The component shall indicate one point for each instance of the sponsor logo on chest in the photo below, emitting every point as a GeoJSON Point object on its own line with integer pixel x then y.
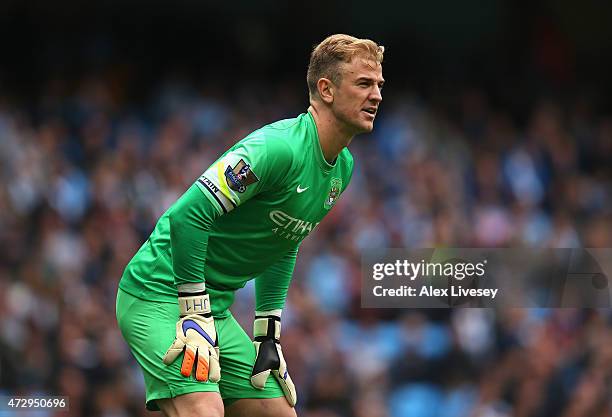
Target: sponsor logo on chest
{"type": "Point", "coordinates": [289, 227]}
{"type": "Point", "coordinates": [295, 229]}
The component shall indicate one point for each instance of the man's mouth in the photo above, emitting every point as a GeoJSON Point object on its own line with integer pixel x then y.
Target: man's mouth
{"type": "Point", "coordinates": [370, 110]}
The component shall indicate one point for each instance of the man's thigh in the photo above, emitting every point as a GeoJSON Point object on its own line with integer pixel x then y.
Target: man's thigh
{"type": "Point", "coordinates": [261, 407]}
{"type": "Point", "coordinates": [200, 404]}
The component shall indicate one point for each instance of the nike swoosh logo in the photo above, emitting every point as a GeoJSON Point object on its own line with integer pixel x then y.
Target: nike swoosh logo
{"type": "Point", "coordinates": [190, 324]}
{"type": "Point", "coordinates": [300, 189]}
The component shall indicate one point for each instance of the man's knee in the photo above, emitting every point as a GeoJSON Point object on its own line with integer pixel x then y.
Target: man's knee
{"type": "Point", "coordinates": [196, 404]}
{"type": "Point", "coordinates": [286, 412]}
{"type": "Point", "coordinates": [201, 412]}
{"type": "Point", "coordinates": [260, 407]}
{"type": "Point", "coordinates": [282, 410]}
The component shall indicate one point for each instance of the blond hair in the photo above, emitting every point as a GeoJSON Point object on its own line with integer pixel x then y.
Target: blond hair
{"type": "Point", "coordinates": [327, 57]}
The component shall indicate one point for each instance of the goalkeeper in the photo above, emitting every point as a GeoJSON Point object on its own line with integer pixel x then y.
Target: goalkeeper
{"type": "Point", "coordinates": [244, 219]}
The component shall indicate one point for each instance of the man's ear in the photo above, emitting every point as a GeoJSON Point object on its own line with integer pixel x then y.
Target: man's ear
{"type": "Point", "coordinates": [326, 90]}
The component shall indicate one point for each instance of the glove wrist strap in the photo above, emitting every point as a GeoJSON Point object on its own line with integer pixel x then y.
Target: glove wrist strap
{"type": "Point", "coordinates": [198, 303]}
{"type": "Point", "coordinates": [267, 327]}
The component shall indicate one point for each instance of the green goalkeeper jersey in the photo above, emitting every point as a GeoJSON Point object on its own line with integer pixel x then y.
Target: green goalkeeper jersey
{"type": "Point", "coordinates": [243, 219]}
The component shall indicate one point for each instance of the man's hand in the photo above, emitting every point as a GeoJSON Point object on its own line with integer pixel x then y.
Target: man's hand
{"type": "Point", "coordinates": [196, 337]}
{"type": "Point", "coordinates": [266, 331]}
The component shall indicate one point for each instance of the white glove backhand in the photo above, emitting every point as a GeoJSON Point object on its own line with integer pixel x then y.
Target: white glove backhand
{"type": "Point", "coordinates": [270, 358]}
{"type": "Point", "coordinates": [196, 337]}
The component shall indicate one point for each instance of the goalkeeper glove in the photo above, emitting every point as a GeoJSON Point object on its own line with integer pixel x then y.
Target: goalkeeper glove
{"type": "Point", "coordinates": [266, 330]}
{"type": "Point", "coordinates": [196, 336]}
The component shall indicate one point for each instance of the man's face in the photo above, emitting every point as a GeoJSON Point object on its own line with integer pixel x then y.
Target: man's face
{"type": "Point", "coordinates": [358, 96]}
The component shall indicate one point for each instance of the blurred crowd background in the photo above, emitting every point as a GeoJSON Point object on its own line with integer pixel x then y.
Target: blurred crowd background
{"type": "Point", "coordinates": [499, 138]}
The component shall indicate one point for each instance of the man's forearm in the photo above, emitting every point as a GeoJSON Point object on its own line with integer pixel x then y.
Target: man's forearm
{"type": "Point", "coordinates": [271, 287]}
{"type": "Point", "coordinates": [190, 222]}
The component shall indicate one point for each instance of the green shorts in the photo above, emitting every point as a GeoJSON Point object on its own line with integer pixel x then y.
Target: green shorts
{"type": "Point", "coordinates": [149, 327]}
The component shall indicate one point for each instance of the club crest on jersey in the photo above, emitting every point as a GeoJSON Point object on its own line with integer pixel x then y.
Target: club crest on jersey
{"type": "Point", "coordinates": [334, 192]}
{"type": "Point", "coordinates": [239, 177]}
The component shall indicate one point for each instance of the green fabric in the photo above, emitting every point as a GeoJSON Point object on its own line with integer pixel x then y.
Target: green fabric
{"type": "Point", "coordinates": [271, 286]}
{"type": "Point", "coordinates": [190, 219]}
{"type": "Point", "coordinates": [149, 327]}
{"type": "Point", "coordinates": [243, 218]}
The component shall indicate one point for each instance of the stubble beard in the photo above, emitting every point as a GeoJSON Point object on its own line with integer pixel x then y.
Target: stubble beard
{"type": "Point", "coordinates": [354, 126]}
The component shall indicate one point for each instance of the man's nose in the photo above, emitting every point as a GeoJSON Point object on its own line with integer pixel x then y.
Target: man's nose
{"type": "Point", "coordinates": [376, 94]}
